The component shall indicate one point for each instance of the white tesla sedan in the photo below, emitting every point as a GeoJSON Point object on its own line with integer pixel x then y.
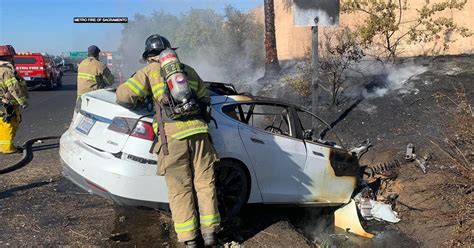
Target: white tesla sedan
{"type": "Point", "coordinates": [268, 153]}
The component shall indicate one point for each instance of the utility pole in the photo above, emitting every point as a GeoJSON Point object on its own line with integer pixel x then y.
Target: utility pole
{"type": "Point", "coordinates": [314, 69]}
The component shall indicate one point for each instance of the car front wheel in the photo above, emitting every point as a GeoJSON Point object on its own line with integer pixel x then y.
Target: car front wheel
{"type": "Point", "coordinates": [233, 187]}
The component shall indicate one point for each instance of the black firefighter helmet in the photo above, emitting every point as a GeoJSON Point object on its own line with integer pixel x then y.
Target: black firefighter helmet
{"type": "Point", "coordinates": [154, 44]}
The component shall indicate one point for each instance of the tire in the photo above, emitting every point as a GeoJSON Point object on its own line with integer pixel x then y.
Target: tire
{"type": "Point", "coordinates": [233, 187]}
{"type": "Point", "coordinates": [59, 83]}
{"type": "Point", "coordinates": [49, 85]}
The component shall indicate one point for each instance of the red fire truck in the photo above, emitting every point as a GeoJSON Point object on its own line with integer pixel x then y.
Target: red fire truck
{"type": "Point", "coordinates": [38, 69]}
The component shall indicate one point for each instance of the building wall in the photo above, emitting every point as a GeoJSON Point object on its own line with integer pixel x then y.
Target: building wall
{"type": "Point", "coordinates": [293, 42]}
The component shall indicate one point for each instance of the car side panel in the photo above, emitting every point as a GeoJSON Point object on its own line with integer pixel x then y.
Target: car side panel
{"type": "Point", "coordinates": [228, 144]}
{"type": "Point", "coordinates": [326, 186]}
{"type": "Point", "coordinates": [278, 161]}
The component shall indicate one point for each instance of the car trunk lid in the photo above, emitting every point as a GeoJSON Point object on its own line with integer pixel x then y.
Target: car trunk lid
{"type": "Point", "coordinates": [97, 112]}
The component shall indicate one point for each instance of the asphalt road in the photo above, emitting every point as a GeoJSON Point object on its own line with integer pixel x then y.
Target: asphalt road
{"type": "Point", "coordinates": [49, 112]}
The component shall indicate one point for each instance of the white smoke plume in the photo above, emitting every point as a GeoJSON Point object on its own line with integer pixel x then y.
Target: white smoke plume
{"type": "Point", "coordinates": [220, 56]}
{"type": "Point", "coordinates": [373, 79]}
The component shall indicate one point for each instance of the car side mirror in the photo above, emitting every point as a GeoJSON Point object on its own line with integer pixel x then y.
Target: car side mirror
{"type": "Point", "coordinates": [308, 134]}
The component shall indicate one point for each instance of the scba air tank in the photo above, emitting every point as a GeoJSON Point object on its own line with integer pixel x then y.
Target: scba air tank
{"type": "Point", "coordinates": [172, 71]}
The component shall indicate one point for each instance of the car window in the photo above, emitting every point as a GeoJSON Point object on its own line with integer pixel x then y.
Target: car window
{"type": "Point", "coordinates": [24, 60]}
{"type": "Point", "coordinates": [233, 112]}
{"type": "Point", "coordinates": [310, 122]}
{"type": "Point", "coordinates": [268, 117]}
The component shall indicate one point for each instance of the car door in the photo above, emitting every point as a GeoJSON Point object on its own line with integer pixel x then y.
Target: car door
{"type": "Point", "coordinates": [277, 156]}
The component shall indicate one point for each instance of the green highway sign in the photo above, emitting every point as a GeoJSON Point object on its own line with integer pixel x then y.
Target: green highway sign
{"type": "Point", "coordinates": [78, 54]}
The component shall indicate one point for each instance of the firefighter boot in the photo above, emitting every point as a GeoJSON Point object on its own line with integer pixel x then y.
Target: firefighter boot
{"type": "Point", "coordinates": [7, 134]}
{"type": "Point", "coordinates": [191, 244]}
{"type": "Point", "coordinates": [210, 239]}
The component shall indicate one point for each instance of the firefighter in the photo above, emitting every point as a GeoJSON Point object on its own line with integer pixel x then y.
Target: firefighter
{"type": "Point", "coordinates": [13, 97]}
{"type": "Point", "coordinates": [186, 154]}
{"type": "Point", "coordinates": [92, 74]}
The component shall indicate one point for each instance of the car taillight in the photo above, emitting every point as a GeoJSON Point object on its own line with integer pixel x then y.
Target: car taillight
{"type": "Point", "coordinates": [143, 130]}
{"type": "Point", "coordinates": [133, 127]}
{"type": "Point", "coordinates": [120, 125]}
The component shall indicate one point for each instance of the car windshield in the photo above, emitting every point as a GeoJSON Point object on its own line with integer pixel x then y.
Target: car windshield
{"type": "Point", "coordinates": [30, 60]}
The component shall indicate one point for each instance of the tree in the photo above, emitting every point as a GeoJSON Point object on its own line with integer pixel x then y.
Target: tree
{"type": "Point", "coordinates": [200, 28]}
{"type": "Point", "coordinates": [242, 52]}
{"type": "Point", "coordinates": [339, 51]}
{"type": "Point", "coordinates": [271, 59]}
{"type": "Point", "coordinates": [387, 27]}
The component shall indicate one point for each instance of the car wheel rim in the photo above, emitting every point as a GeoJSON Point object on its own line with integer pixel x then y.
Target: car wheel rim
{"type": "Point", "coordinates": [231, 187]}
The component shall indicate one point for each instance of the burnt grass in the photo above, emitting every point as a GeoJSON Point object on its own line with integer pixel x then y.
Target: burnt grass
{"type": "Point", "coordinates": [431, 109]}
{"type": "Point", "coordinates": [39, 207]}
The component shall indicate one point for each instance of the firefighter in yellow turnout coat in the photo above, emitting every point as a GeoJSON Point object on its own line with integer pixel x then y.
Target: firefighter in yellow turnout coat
{"type": "Point", "coordinates": [92, 74]}
{"type": "Point", "coordinates": [13, 96]}
{"type": "Point", "coordinates": [191, 157]}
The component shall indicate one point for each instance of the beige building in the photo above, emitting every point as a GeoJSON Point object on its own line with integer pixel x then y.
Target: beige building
{"type": "Point", "coordinates": [293, 42]}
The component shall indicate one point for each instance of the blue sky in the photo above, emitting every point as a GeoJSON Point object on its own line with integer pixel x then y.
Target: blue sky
{"type": "Point", "coordinates": [47, 25]}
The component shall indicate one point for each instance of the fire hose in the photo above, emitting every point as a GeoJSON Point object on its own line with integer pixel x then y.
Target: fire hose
{"type": "Point", "coordinates": [27, 154]}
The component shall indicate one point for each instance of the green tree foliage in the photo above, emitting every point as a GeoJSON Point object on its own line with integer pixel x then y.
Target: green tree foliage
{"type": "Point", "coordinates": [231, 43]}
{"type": "Point", "coordinates": [200, 28]}
{"type": "Point", "coordinates": [387, 26]}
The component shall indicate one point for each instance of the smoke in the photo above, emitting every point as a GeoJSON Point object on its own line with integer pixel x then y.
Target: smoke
{"type": "Point", "coordinates": [372, 79]}
{"type": "Point", "coordinates": [240, 69]}
{"type": "Point", "coordinates": [132, 44]}
{"type": "Point", "coordinates": [222, 48]}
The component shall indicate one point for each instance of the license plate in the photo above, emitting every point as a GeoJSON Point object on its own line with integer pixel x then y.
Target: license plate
{"type": "Point", "coordinates": [85, 125]}
{"type": "Point", "coordinates": [27, 78]}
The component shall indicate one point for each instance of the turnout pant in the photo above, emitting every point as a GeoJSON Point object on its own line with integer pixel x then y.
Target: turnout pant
{"type": "Point", "coordinates": [189, 175]}
{"type": "Point", "coordinates": [8, 132]}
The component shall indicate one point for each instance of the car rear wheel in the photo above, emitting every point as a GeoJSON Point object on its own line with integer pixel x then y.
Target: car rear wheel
{"type": "Point", "coordinates": [233, 187]}
{"type": "Point", "coordinates": [49, 84]}
{"type": "Point", "coordinates": [59, 83]}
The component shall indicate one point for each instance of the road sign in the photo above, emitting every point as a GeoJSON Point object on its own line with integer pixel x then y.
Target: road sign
{"type": "Point", "coordinates": [305, 12]}
{"type": "Point", "coordinates": [78, 54]}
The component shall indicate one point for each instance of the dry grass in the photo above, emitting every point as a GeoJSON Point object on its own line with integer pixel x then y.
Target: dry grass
{"type": "Point", "coordinates": [300, 81]}
{"type": "Point", "coordinates": [456, 149]}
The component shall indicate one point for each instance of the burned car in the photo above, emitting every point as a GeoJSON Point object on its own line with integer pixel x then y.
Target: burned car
{"type": "Point", "coordinates": [268, 152]}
